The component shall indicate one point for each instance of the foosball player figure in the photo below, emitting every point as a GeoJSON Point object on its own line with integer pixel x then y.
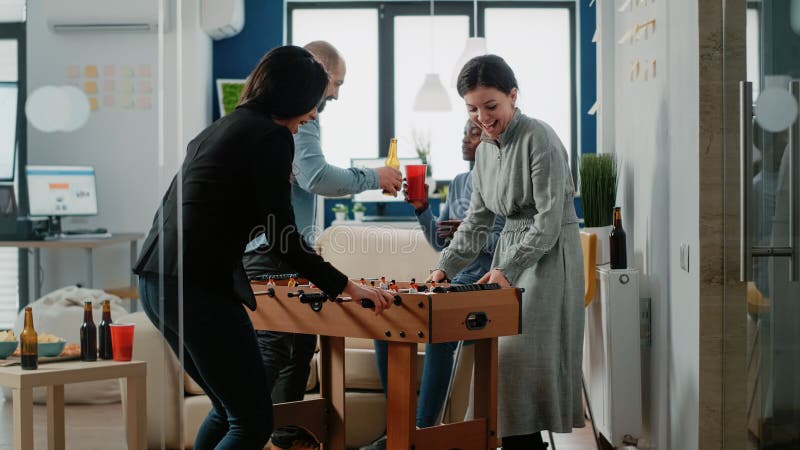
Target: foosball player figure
{"type": "Point", "coordinates": [413, 285]}
{"type": "Point", "coordinates": [271, 281]}
{"type": "Point", "coordinates": [383, 284]}
{"type": "Point", "coordinates": [292, 282]}
{"type": "Point", "coordinates": [363, 282]}
{"type": "Point", "coordinates": [372, 283]}
{"type": "Point", "coordinates": [393, 286]}
{"type": "Point", "coordinates": [433, 286]}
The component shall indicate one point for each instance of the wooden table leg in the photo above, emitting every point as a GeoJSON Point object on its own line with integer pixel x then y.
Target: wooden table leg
{"type": "Point", "coordinates": [55, 417]}
{"type": "Point", "coordinates": [332, 389]}
{"type": "Point", "coordinates": [136, 413]}
{"type": "Point", "coordinates": [401, 402]}
{"type": "Point", "coordinates": [485, 387]}
{"type": "Point", "coordinates": [23, 418]}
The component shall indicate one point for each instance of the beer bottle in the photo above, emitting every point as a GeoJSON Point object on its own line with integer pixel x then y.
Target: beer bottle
{"type": "Point", "coordinates": [391, 159]}
{"type": "Point", "coordinates": [616, 243]}
{"type": "Point", "coordinates": [29, 343]}
{"type": "Point", "coordinates": [104, 332]}
{"type": "Point", "coordinates": [88, 334]}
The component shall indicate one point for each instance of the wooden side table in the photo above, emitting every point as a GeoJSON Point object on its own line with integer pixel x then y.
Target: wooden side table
{"type": "Point", "coordinates": [54, 376]}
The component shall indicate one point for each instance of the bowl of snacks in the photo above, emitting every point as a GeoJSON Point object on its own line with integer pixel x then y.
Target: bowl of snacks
{"type": "Point", "coordinates": [50, 345]}
{"type": "Point", "coordinates": [8, 343]}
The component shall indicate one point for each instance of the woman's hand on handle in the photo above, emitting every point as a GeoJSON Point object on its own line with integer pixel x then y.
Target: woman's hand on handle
{"type": "Point", "coordinates": [495, 276]}
{"type": "Point", "coordinates": [382, 299]}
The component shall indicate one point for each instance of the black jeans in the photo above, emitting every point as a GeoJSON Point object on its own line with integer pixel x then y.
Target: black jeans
{"type": "Point", "coordinates": [287, 357]}
{"type": "Point", "coordinates": [221, 354]}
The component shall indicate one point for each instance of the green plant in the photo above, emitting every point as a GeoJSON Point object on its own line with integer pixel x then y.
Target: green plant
{"type": "Point", "coordinates": [339, 207]}
{"type": "Point", "coordinates": [598, 188]}
{"type": "Point", "coordinates": [422, 145]}
{"type": "Point", "coordinates": [231, 93]}
{"type": "Point", "coordinates": [359, 207]}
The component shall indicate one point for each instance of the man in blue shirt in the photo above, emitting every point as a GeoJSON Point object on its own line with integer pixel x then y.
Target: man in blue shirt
{"type": "Point", "coordinates": [287, 355]}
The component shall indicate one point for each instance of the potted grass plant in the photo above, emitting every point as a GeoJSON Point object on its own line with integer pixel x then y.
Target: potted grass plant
{"type": "Point", "coordinates": [598, 190]}
{"type": "Point", "coordinates": [358, 211]}
{"type": "Point", "coordinates": [340, 210]}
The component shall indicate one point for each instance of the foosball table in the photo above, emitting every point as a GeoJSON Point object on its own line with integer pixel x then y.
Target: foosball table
{"type": "Point", "coordinates": [446, 313]}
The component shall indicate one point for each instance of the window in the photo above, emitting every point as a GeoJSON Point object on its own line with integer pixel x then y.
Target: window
{"type": "Point", "coordinates": [544, 93]}
{"type": "Point", "coordinates": [12, 73]}
{"type": "Point", "coordinates": [389, 49]}
{"type": "Point", "coordinates": [414, 56]}
{"type": "Point", "coordinates": [349, 126]}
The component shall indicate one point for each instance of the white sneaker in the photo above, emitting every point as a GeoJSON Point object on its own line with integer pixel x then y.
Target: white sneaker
{"type": "Point", "coordinates": [378, 444]}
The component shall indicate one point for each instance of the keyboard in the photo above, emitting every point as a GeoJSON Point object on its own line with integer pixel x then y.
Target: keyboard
{"type": "Point", "coordinates": [85, 231]}
{"type": "Point", "coordinates": [77, 237]}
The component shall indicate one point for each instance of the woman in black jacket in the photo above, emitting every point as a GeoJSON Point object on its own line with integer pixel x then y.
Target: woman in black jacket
{"type": "Point", "coordinates": [233, 184]}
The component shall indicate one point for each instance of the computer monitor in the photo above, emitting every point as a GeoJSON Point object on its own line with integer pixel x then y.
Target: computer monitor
{"type": "Point", "coordinates": [374, 163]}
{"type": "Point", "coordinates": [61, 190]}
{"type": "Point", "coordinates": [8, 129]}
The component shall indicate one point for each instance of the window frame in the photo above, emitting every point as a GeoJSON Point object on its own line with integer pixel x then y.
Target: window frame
{"type": "Point", "coordinates": [16, 30]}
{"type": "Point", "coordinates": [387, 11]}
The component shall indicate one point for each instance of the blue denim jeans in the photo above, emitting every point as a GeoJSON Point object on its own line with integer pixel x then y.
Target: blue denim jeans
{"type": "Point", "coordinates": [220, 354]}
{"type": "Point", "coordinates": [435, 374]}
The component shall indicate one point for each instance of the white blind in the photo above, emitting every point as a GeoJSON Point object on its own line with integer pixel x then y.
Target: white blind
{"type": "Point", "coordinates": [12, 10]}
{"type": "Point", "coordinates": [9, 287]}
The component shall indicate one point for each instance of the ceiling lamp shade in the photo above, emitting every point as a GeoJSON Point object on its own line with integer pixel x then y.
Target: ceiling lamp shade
{"type": "Point", "coordinates": [432, 96]}
{"type": "Point", "coordinates": [476, 46]}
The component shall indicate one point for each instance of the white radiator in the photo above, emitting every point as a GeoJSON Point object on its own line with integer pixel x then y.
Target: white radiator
{"type": "Point", "coordinates": [611, 355]}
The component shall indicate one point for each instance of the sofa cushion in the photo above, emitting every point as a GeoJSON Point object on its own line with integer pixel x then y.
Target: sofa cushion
{"type": "Point", "coordinates": [371, 251]}
{"type": "Point", "coordinates": [190, 386]}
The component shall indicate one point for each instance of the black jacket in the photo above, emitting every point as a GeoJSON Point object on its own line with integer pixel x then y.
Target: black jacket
{"type": "Point", "coordinates": [235, 180]}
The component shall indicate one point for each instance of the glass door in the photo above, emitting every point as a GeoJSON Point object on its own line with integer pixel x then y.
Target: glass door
{"type": "Point", "coordinates": [769, 138]}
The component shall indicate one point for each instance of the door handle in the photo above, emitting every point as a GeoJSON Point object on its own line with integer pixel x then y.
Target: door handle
{"type": "Point", "coordinates": [794, 187]}
{"type": "Point", "coordinates": [745, 178]}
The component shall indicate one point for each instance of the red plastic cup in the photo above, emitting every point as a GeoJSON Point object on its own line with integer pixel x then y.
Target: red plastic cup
{"type": "Point", "coordinates": [122, 341]}
{"type": "Point", "coordinates": [415, 181]}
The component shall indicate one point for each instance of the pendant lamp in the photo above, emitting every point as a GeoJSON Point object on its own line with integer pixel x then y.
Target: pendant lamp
{"type": "Point", "coordinates": [475, 46]}
{"type": "Point", "coordinates": [432, 96]}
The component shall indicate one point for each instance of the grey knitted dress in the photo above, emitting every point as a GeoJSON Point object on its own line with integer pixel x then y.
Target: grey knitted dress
{"type": "Point", "coordinates": [525, 176]}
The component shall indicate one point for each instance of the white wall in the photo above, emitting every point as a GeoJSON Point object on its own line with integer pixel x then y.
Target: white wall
{"type": "Point", "coordinates": [655, 129]}
{"type": "Point", "coordinates": [122, 144]}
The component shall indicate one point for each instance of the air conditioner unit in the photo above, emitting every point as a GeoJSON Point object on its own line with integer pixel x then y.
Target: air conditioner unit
{"type": "Point", "coordinates": [105, 15]}
{"type": "Point", "coordinates": [222, 19]}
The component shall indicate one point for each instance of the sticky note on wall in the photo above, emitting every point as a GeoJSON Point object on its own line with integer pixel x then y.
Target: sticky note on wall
{"type": "Point", "coordinates": [126, 100]}
{"type": "Point", "coordinates": [93, 103]}
{"type": "Point", "coordinates": [90, 71]}
{"type": "Point", "coordinates": [125, 86]}
{"type": "Point", "coordinates": [90, 87]}
{"type": "Point", "coordinates": [126, 72]}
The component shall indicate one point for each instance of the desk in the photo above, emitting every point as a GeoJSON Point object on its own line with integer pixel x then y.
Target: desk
{"type": "Point", "coordinates": [54, 376]}
{"type": "Point", "coordinates": [87, 244]}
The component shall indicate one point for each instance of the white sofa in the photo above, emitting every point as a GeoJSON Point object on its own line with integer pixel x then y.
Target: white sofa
{"type": "Point", "coordinates": [175, 412]}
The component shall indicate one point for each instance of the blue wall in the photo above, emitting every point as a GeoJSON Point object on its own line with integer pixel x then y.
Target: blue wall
{"type": "Point", "coordinates": [263, 29]}
{"type": "Point", "coordinates": [587, 76]}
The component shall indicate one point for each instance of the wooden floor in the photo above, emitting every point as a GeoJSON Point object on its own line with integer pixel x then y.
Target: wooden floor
{"type": "Point", "coordinates": [100, 427]}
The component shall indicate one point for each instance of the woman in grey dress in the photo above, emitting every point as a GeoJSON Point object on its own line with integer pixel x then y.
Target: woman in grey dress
{"type": "Point", "coordinates": [521, 172]}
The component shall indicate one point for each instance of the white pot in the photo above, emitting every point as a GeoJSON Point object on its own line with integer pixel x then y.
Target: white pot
{"type": "Point", "coordinates": [603, 252]}
{"type": "Point", "coordinates": [341, 215]}
{"type": "Point", "coordinates": [358, 215]}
